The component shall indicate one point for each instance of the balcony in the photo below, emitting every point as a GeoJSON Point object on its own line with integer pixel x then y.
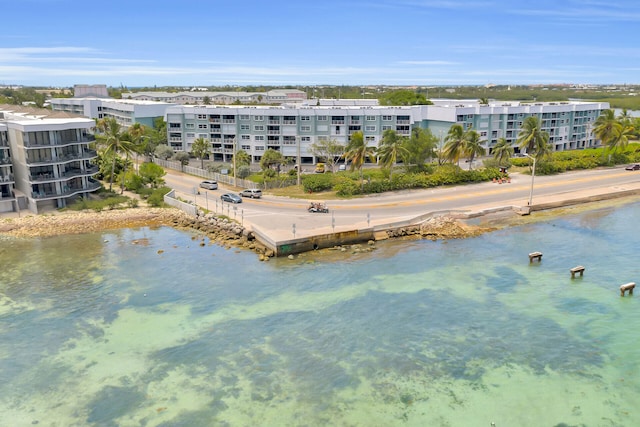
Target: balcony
{"type": "Point", "coordinates": [92, 185]}
{"type": "Point", "coordinates": [58, 143]}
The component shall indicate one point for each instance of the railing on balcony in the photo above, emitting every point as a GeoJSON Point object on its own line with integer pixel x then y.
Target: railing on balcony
{"type": "Point", "coordinates": [6, 178]}
{"type": "Point", "coordinates": [67, 191]}
{"type": "Point", "coordinates": [289, 122]}
{"type": "Point", "coordinates": [58, 143]}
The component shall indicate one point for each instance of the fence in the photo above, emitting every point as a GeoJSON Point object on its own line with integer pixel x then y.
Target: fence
{"type": "Point", "coordinates": [171, 200]}
{"type": "Point", "coordinates": [221, 178]}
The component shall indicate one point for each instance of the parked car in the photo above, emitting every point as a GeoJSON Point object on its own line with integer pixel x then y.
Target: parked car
{"type": "Point", "coordinates": [231, 198]}
{"type": "Point", "coordinates": [209, 185]}
{"type": "Point", "coordinates": [634, 167]}
{"type": "Point", "coordinates": [253, 193]}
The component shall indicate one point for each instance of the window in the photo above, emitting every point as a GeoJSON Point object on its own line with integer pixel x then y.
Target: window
{"type": "Point", "coordinates": [305, 128]}
{"type": "Point", "coordinates": [305, 118]}
{"type": "Point", "coordinates": [305, 139]}
{"type": "Point", "coordinates": [369, 139]}
{"type": "Point", "coordinates": [258, 118]}
{"type": "Point", "coordinates": [370, 118]}
{"type": "Point", "coordinates": [189, 126]}
{"type": "Point", "coordinates": [202, 116]}
{"type": "Point", "coordinates": [322, 118]}
{"type": "Point", "coordinates": [386, 127]}
{"type": "Point", "coordinates": [203, 126]}
{"type": "Point", "coordinates": [244, 117]}
{"type": "Point", "coordinates": [245, 147]}
{"type": "Point", "coordinates": [245, 137]}
{"type": "Point", "coordinates": [258, 128]}
{"type": "Point", "coordinates": [259, 137]}
{"type": "Point", "coordinates": [203, 135]}
{"type": "Point", "coordinates": [370, 128]}
{"type": "Point", "coordinates": [387, 118]}
{"type": "Point", "coordinates": [174, 126]}
{"type": "Point", "coordinates": [245, 127]}
{"type": "Point", "coordinates": [259, 147]}
{"type": "Point", "coordinates": [191, 135]}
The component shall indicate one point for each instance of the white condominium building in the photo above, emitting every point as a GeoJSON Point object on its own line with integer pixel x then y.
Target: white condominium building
{"type": "Point", "coordinates": [44, 159]}
{"type": "Point", "coordinates": [288, 129]}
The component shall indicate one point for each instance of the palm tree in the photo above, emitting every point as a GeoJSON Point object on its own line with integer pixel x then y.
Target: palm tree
{"type": "Point", "coordinates": [455, 142]}
{"type": "Point", "coordinates": [201, 147]}
{"type": "Point", "coordinates": [114, 142]}
{"type": "Point", "coordinates": [390, 147]}
{"type": "Point", "coordinates": [607, 128]}
{"type": "Point", "coordinates": [473, 146]}
{"type": "Point", "coordinates": [502, 150]}
{"type": "Point", "coordinates": [357, 152]}
{"type": "Point", "coordinates": [533, 139]}
{"type": "Point", "coordinates": [137, 131]}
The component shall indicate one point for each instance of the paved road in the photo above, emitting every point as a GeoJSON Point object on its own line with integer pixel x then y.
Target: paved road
{"type": "Point", "coordinates": [277, 216]}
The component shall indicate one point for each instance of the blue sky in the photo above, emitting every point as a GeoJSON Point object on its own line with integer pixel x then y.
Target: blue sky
{"type": "Point", "coordinates": [317, 42]}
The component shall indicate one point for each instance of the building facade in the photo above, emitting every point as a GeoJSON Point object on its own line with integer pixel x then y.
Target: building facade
{"type": "Point", "coordinates": [46, 158]}
{"type": "Point", "coordinates": [293, 129]}
{"type": "Point", "coordinates": [125, 111]}
{"type": "Point", "coordinates": [275, 96]}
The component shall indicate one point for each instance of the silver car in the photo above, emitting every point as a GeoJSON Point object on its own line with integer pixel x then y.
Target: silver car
{"type": "Point", "coordinates": [253, 193]}
{"type": "Point", "coordinates": [209, 185]}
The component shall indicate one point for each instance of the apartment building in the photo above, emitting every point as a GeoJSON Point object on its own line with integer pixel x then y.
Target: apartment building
{"type": "Point", "coordinates": [45, 159]}
{"type": "Point", "coordinates": [288, 129]}
{"type": "Point", "coordinates": [125, 111]}
{"type": "Point", "coordinates": [196, 97]}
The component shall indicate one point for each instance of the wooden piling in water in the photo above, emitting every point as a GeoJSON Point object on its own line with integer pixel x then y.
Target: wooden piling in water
{"type": "Point", "coordinates": [627, 287]}
{"type": "Point", "coordinates": [535, 255]}
{"type": "Point", "coordinates": [577, 269]}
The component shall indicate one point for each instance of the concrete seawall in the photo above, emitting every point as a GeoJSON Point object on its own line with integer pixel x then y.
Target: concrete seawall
{"type": "Point", "coordinates": [284, 247]}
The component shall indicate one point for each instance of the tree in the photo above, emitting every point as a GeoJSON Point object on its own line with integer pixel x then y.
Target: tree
{"type": "Point", "coordinates": [152, 173]}
{"type": "Point", "coordinates": [502, 150]}
{"type": "Point", "coordinates": [419, 147]}
{"type": "Point", "coordinates": [272, 158]}
{"type": "Point", "coordinates": [137, 132]}
{"type": "Point", "coordinates": [182, 157]}
{"type": "Point", "coordinates": [473, 146]}
{"type": "Point", "coordinates": [612, 131]}
{"type": "Point", "coordinates": [455, 142]}
{"type": "Point", "coordinates": [200, 148]}
{"type": "Point", "coordinates": [163, 151]}
{"type": "Point", "coordinates": [328, 150]}
{"type": "Point", "coordinates": [404, 97]}
{"type": "Point", "coordinates": [390, 147]}
{"type": "Point", "coordinates": [357, 152]}
{"type": "Point", "coordinates": [113, 142]}
{"type": "Point", "coordinates": [242, 158]}
{"type": "Point", "coordinates": [533, 139]}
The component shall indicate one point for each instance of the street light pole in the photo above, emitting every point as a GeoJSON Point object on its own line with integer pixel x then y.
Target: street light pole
{"type": "Point", "coordinates": [235, 150]}
{"type": "Point", "coordinates": [298, 160]}
{"type": "Point", "coordinates": [533, 175]}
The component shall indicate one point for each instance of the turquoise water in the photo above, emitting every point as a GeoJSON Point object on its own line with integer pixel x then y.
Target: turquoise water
{"type": "Point", "coordinates": [142, 327]}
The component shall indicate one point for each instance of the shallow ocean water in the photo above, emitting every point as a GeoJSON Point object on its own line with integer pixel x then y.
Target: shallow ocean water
{"type": "Point", "coordinates": [147, 327]}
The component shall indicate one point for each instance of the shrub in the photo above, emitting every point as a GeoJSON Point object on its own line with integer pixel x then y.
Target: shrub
{"type": "Point", "coordinates": [317, 182]}
{"type": "Point", "coordinates": [346, 187]}
{"type": "Point", "coordinates": [156, 198]}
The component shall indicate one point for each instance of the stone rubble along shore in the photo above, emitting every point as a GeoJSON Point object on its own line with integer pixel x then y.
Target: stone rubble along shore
{"type": "Point", "coordinates": [220, 230]}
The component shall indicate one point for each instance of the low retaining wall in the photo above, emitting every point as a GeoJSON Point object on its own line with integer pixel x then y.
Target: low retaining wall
{"type": "Point", "coordinates": [322, 241]}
